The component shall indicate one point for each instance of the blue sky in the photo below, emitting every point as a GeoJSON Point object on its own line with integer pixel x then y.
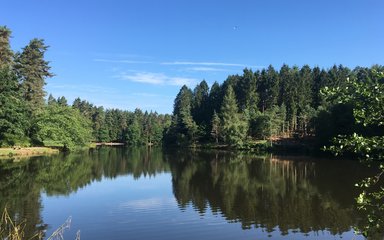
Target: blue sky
{"type": "Point", "coordinates": [137, 53]}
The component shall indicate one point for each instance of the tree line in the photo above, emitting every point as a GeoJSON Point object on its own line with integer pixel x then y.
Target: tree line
{"type": "Point", "coordinates": [27, 118]}
{"type": "Point", "coordinates": [269, 103]}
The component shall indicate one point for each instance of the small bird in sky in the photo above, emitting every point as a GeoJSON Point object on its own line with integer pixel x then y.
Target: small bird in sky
{"type": "Point", "coordinates": [235, 27]}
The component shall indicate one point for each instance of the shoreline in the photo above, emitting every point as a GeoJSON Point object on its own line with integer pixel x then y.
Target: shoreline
{"type": "Point", "coordinates": [27, 151]}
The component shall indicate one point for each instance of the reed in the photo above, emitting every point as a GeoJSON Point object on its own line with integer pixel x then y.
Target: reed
{"type": "Point", "coordinates": [11, 230]}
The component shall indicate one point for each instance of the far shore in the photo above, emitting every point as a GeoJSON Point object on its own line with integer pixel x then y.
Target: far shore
{"type": "Point", "coordinates": [27, 151]}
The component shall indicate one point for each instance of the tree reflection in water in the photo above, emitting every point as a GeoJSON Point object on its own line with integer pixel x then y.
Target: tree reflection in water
{"type": "Point", "coordinates": [271, 193]}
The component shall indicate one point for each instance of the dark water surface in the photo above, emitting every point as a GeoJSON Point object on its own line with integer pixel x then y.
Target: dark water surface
{"type": "Point", "coordinates": [122, 193]}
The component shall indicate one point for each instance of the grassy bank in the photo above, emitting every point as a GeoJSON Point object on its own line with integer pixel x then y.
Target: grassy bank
{"type": "Point", "coordinates": [29, 151]}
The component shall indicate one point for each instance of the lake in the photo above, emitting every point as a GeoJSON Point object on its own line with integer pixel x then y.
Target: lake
{"type": "Point", "coordinates": [123, 193]}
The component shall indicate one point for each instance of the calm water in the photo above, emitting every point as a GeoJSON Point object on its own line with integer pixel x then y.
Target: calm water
{"type": "Point", "coordinates": [121, 193]}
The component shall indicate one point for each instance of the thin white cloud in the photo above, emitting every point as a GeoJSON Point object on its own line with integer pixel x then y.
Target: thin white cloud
{"type": "Point", "coordinates": [206, 69]}
{"type": "Point", "coordinates": [151, 95]}
{"type": "Point", "coordinates": [119, 61]}
{"type": "Point", "coordinates": [144, 77]}
{"type": "Point", "coordinates": [158, 79]}
{"type": "Point", "coordinates": [204, 64]}
{"type": "Point", "coordinates": [211, 64]}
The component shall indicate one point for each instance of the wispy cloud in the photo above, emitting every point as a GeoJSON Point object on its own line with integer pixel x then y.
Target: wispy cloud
{"type": "Point", "coordinates": [206, 69]}
{"type": "Point", "coordinates": [119, 61]}
{"type": "Point", "coordinates": [151, 95]}
{"type": "Point", "coordinates": [208, 65]}
{"type": "Point", "coordinates": [222, 64]}
{"type": "Point", "coordinates": [203, 63]}
{"type": "Point", "coordinates": [158, 79]}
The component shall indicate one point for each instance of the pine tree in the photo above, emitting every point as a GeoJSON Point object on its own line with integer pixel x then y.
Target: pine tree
{"type": "Point", "coordinates": [62, 101]}
{"type": "Point", "coordinates": [6, 54]}
{"type": "Point", "coordinates": [51, 100]}
{"type": "Point", "coordinates": [183, 123]}
{"type": "Point", "coordinates": [200, 103]}
{"type": "Point", "coordinates": [32, 70]}
{"type": "Point", "coordinates": [233, 126]}
{"type": "Point", "coordinates": [215, 98]}
{"type": "Point", "coordinates": [133, 135]}
{"type": "Point", "coordinates": [272, 86]}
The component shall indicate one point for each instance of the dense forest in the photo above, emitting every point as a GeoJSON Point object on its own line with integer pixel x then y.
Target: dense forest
{"type": "Point", "coordinates": [268, 103]}
{"type": "Point", "coordinates": [292, 102]}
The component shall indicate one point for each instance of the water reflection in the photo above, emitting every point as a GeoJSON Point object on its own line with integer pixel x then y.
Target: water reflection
{"type": "Point", "coordinates": [22, 181]}
{"type": "Point", "coordinates": [269, 193]}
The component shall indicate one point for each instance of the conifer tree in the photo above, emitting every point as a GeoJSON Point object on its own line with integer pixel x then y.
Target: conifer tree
{"type": "Point", "coordinates": [183, 122]}
{"type": "Point", "coordinates": [32, 70]}
{"type": "Point", "coordinates": [6, 54]}
{"type": "Point", "coordinates": [200, 103]}
{"type": "Point", "coordinates": [62, 101]}
{"type": "Point", "coordinates": [234, 127]}
{"type": "Point", "coordinates": [51, 100]}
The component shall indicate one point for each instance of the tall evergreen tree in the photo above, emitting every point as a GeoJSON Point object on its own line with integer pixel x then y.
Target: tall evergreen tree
{"type": "Point", "coordinates": [6, 54]}
{"type": "Point", "coordinates": [216, 127]}
{"type": "Point", "coordinates": [200, 103]}
{"type": "Point", "coordinates": [268, 88]}
{"type": "Point", "coordinates": [234, 127]}
{"type": "Point", "coordinates": [62, 101]}
{"type": "Point", "coordinates": [183, 122]}
{"type": "Point", "coordinates": [251, 97]}
{"type": "Point", "coordinates": [98, 119]}
{"type": "Point", "coordinates": [215, 98]}
{"type": "Point", "coordinates": [288, 94]}
{"type": "Point", "coordinates": [133, 135]}
{"type": "Point", "coordinates": [51, 100]}
{"type": "Point", "coordinates": [32, 70]}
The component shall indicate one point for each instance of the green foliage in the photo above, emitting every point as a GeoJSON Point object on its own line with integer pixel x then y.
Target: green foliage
{"type": "Point", "coordinates": [62, 126]}
{"type": "Point", "coordinates": [216, 127]}
{"type": "Point", "coordinates": [285, 103]}
{"type": "Point", "coordinates": [184, 128]}
{"type": "Point", "coordinates": [6, 54]}
{"type": "Point", "coordinates": [62, 101]}
{"type": "Point", "coordinates": [200, 103]}
{"type": "Point", "coordinates": [13, 120]}
{"type": "Point", "coordinates": [366, 99]}
{"type": "Point", "coordinates": [234, 126]}
{"type": "Point", "coordinates": [268, 88]}
{"type": "Point", "coordinates": [133, 135]}
{"type": "Point", "coordinates": [269, 123]}
{"type": "Point", "coordinates": [32, 71]}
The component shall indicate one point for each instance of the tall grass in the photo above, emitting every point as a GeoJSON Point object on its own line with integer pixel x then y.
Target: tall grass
{"type": "Point", "coordinates": [11, 230]}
